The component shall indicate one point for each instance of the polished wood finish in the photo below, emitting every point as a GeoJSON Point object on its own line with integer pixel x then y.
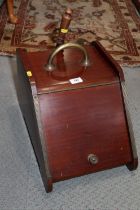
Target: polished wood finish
{"type": "Point", "coordinates": [68, 122]}
{"type": "Point", "coordinates": [82, 122]}
{"type": "Point", "coordinates": [68, 66]}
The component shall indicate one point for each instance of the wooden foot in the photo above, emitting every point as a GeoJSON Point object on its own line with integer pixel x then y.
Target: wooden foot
{"type": "Point", "coordinates": [133, 165]}
{"type": "Point", "coordinates": [10, 6]}
{"type": "Point", "coordinates": [13, 19]}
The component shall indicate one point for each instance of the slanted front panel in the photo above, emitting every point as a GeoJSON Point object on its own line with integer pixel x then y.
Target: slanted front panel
{"type": "Point", "coordinates": [82, 122]}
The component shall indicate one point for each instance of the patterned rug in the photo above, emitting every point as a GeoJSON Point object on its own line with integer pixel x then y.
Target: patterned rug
{"type": "Point", "coordinates": [114, 23]}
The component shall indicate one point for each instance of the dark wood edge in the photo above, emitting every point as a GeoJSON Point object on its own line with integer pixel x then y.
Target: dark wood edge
{"type": "Point", "coordinates": [27, 66]}
{"type": "Point", "coordinates": [22, 54]}
{"type": "Point", "coordinates": [137, 4]}
{"type": "Point", "coordinates": [134, 162]}
{"type": "Point", "coordinates": [133, 165]}
{"type": "Point", "coordinates": [117, 68]}
{"type": "Point", "coordinates": [43, 145]}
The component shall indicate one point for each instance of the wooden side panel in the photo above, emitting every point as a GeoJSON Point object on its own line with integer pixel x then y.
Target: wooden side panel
{"type": "Point", "coordinates": [82, 122]}
{"type": "Point", "coordinates": [26, 103]}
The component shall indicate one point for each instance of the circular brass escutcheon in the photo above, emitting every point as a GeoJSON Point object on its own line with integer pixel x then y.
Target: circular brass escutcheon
{"type": "Point", "coordinates": [93, 159]}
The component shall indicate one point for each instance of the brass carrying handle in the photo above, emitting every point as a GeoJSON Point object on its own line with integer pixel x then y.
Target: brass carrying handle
{"type": "Point", "coordinates": [50, 66]}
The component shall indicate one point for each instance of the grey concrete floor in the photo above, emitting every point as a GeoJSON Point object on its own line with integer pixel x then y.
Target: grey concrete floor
{"type": "Point", "coordinates": [21, 187]}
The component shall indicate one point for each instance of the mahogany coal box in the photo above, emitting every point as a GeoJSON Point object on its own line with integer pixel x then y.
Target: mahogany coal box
{"type": "Point", "coordinates": [74, 106]}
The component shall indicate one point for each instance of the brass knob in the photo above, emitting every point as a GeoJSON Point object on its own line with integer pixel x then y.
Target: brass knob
{"type": "Point", "coordinates": [50, 66]}
{"type": "Point", "coordinates": [93, 159]}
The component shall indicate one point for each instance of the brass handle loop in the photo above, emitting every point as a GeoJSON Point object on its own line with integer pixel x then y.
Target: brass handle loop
{"type": "Point", "coordinates": [50, 66]}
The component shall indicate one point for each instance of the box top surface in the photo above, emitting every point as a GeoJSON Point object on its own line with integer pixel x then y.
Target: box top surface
{"type": "Point", "coordinates": [68, 72]}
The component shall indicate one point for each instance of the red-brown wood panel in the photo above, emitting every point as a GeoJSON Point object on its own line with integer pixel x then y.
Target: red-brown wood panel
{"type": "Point", "coordinates": [68, 66]}
{"type": "Point", "coordinates": [82, 122]}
